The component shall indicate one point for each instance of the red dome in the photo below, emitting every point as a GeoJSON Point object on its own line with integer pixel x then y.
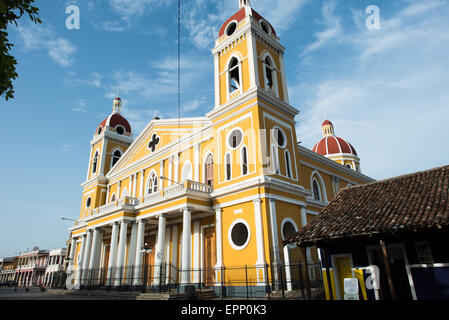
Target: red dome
{"type": "Point", "coordinates": [333, 145]}
{"type": "Point", "coordinates": [118, 99]}
{"type": "Point", "coordinates": [239, 16]}
{"type": "Point", "coordinates": [326, 123]}
{"type": "Point", "coordinates": [114, 120]}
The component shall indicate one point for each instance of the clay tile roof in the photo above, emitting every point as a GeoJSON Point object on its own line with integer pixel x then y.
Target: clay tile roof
{"type": "Point", "coordinates": [412, 202]}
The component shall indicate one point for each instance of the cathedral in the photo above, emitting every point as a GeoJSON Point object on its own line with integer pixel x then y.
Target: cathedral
{"type": "Point", "coordinates": [193, 197]}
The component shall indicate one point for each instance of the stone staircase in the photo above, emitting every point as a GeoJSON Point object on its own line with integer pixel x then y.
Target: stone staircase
{"type": "Point", "coordinates": [204, 294]}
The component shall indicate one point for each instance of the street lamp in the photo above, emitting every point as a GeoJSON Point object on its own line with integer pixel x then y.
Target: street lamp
{"type": "Point", "coordinates": [62, 218]}
{"type": "Point", "coordinates": [164, 178]}
{"type": "Point", "coordinates": [145, 250]}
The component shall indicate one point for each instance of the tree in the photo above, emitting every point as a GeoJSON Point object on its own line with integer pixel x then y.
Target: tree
{"type": "Point", "coordinates": [10, 12]}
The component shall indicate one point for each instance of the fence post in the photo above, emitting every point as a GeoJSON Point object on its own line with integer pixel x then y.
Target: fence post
{"type": "Point", "coordinates": [282, 280]}
{"type": "Point", "coordinates": [267, 286]}
{"type": "Point", "coordinates": [301, 282]}
{"type": "Point", "coordinates": [246, 278]}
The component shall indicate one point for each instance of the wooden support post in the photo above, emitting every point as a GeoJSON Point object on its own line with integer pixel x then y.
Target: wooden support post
{"type": "Point", "coordinates": [328, 274]}
{"type": "Point", "coordinates": [309, 295]}
{"type": "Point", "coordinates": [388, 269]}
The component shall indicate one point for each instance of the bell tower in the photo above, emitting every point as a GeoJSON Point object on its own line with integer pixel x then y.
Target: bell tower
{"type": "Point", "coordinates": [248, 56]}
{"type": "Point", "coordinates": [110, 141]}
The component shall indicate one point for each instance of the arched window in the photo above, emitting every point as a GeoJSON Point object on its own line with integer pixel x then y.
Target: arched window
{"type": "Point", "coordinates": [316, 190]}
{"type": "Point", "coordinates": [95, 163]}
{"type": "Point", "coordinates": [234, 75]}
{"type": "Point", "coordinates": [288, 166]}
{"type": "Point", "coordinates": [152, 183]}
{"type": "Point", "coordinates": [187, 172]}
{"type": "Point", "coordinates": [269, 73]}
{"type": "Point", "coordinates": [209, 170]}
{"type": "Point", "coordinates": [244, 160]}
{"type": "Point", "coordinates": [113, 197]}
{"type": "Point", "coordinates": [275, 158]}
{"type": "Point", "coordinates": [116, 157]}
{"type": "Point", "coordinates": [228, 166]}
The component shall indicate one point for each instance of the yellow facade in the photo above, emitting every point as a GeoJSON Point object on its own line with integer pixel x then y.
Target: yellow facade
{"type": "Point", "coordinates": [260, 177]}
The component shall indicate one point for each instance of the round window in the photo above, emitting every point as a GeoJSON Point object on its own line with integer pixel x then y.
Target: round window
{"type": "Point", "coordinates": [239, 235]}
{"type": "Point", "coordinates": [88, 202]}
{"type": "Point", "coordinates": [231, 28]}
{"type": "Point", "coordinates": [279, 137]}
{"type": "Point", "coordinates": [288, 230]}
{"type": "Point", "coordinates": [235, 138]}
{"type": "Point", "coordinates": [120, 130]}
{"type": "Point", "coordinates": [265, 27]}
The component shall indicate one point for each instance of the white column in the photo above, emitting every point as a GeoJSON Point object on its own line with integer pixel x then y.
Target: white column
{"type": "Point", "coordinates": [303, 216]}
{"type": "Point", "coordinates": [131, 254]}
{"type": "Point", "coordinates": [170, 170]}
{"type": "Point", "coordinates": [72, 252]}
{"type": "Point", "coordinates": [219, 243]}
{"type": "Point", "coordinates": [118, 189]}
{"type": "Point", "coordinates": [160, 249]}
{"type": "Point", "coordinates": [80, 262]}
{"type": "Point", "coordinates": [217, 80]}
{"type": "Point", "coordinates": [142, 181]}
{"type": "Point", "coordinates": [95, 252]}
{"type": "Point", "coordinates": [252, 60]}
{"type": "Point", "coordinates": [103, 157]}
{"type": "Point", "coordinates": [108, 190]}
{"type": "Point", "coordinates": [260, 263]}
{"type": "Point", "coordinates": [113, 252]}
{"type": "Point", "coordinates": [135, 185]}
{"type": "Point", "coordinates": [275, 239]}
{"type": "Point", "coordinates": [138, 254]}
{"type": "Point", "coordinates": [186, 246]}
{"type": "Point", "coordinates": [284, 79]}
{"type": "Point", "coordinates": [161, 174]}
{"type": "Point", "coordinates": [196, 251]}
{"type": "Point", "coordinates": [174, 252]}
{"type": "Point", "coordinates": [121, 255]}
{"type": "Point", "coordinates": [86, 258]}
{"type": "Point", "coordinates": [288, 274]}
{"type": "Point", "coordinates": [196, 163]}
{"type": "Point", "coordinates": [130, 186]}
{"type": "Point", "coordinates": [176, 177]}
{"type": "Point", "coordinates": [167, 255]}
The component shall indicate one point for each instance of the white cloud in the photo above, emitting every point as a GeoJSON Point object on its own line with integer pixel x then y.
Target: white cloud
{"type": "Point", "coordinates": [332, 30]}
{"type": "Point", "coordinates": [66, 149]}
{"type": "Point", "coordinates": [94, 81]}
{"type": "Point", "coordinates": [80, 107]}
{"type": "Point", "coordinates": [39, 37]}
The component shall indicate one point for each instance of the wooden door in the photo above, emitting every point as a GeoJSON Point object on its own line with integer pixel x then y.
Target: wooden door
{"type": "Point", "coordinates": [107, 249]}
{"type": "Point", "coordinates": [210, 257]}
{"type": "Point", "coordinates": [151, 241]}
{"type": "Point", "coordinates": [210, 171]}
{"type": "Point", "coordinates": [344, 271]}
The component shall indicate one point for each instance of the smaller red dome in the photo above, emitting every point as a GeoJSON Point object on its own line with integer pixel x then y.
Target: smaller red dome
{"type": "Point", "coordinates": [118, 99]}
{"type": "Point", "coordinates": [326, 123]}
{"type": "Point", "coordinates": [239, 16]}
{"type": "Point", "coordinates": [115, 120]}
{"type": "Point", "coordinates": [331, 145]}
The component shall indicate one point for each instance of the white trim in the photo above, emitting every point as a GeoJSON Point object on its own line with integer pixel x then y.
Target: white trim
{"type": "Point", "coordinates": [147, 183]}
{"type": "Point", "coordinates": [334, 258]}
{"type": "Point", "coordinates": [229, 135]}
{"type": "Point", "coordinates": [274, 71]}
{"type": "Point", "coordinates": [240, 59]}
{"type": "Point", "coordinates": [233, 245]}
{"type": "Point", "coordinates": [208, 153]}
{"type": "Point", "coordinates": [315, 174]}
{"type": "Point", "coordinates": [288, 165]}
{"type": "Point", "coordinates": [228, 25]}
{"type": "Point", "coordinates": [228, 177]}
{"type": "Point", "coordinates": [112, 156]}
{"type": "Point", "coordinates": [284, 136]}
{"type": "Point", "coordinates": [190, 177]}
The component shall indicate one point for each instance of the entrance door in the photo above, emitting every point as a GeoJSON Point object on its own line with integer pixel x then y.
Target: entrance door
{"type": "Point", "coordinates": [344, 271]}
{"type": "Point", "coordinates": [210, 257]}
{"type": "Point", "coordinates": [151, 241]}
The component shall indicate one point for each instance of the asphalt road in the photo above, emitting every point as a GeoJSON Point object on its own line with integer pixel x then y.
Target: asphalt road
{"type": "Point", "coordinates": [35, 294]}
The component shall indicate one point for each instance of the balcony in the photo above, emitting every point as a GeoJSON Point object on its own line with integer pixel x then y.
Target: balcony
{"type": "Point", "coordinates": [130, 203]}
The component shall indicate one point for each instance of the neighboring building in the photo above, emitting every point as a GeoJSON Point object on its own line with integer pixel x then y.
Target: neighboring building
{"type": "Point", "coordinates": [400, 225]}
{"type": "Point", "coordinates": [55, 267]}
{"type": "Point", "coordinates": [7, 269]}
{"type": "Point", "coordinates": [31, 268]}
{"type": "Point", "coordinates": [205, 193]}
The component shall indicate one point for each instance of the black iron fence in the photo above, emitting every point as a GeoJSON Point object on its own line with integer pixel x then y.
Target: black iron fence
{"type": "Point", "coordinates": [269, 281]}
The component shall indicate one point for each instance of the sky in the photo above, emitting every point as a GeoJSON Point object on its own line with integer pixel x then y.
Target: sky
{"type": "Point", "coordinates": [386, 89]}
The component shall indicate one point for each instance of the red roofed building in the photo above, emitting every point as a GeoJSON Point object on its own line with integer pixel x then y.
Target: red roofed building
{"type": "Point", "coordinates": [336, 148]}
